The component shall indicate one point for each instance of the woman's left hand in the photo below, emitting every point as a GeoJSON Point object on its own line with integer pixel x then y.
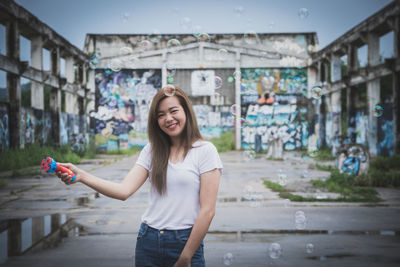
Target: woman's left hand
{"type": "Point", "coordinates": [182, 263]}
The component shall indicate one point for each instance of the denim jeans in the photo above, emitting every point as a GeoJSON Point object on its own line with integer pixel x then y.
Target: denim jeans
{"type": "Point", "coordinates": [162, 248]}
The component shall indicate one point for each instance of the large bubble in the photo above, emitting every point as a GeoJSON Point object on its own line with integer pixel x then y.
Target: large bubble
{"type": "Point", "coordinates": [275, 251]}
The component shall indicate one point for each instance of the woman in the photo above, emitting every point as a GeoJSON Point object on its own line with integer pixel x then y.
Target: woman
{"type": "Point", "coordinates": [184, 172]}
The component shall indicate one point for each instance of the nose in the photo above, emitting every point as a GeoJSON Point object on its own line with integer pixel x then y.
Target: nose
{"type": "Point", "coordinates": [168, 117]}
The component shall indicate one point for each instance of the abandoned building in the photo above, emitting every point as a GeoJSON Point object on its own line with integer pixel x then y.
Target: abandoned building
{"type": "Point", "coordinates": [262, 87]}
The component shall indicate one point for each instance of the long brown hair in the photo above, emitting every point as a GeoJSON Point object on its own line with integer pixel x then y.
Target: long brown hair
{"type": "Point", "coordinates": [161, 142]}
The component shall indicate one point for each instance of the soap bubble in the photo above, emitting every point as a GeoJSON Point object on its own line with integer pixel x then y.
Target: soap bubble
{"type": "Point", "coordinates": [230, 79]}
{"type": "Point", "coordinates": [108, 69]}
{"type": "Point", "coordinates": [170, 80]}
{"type": "Point", "coordinates": [316, 92]}
{"type": "Point", "coordinates": [304, 174]}
{"type": "Point", "coordinates": [218, 82]}
{"type": "Point", "coordinates": [126, 50]}
{"type": "Point", "coordinates": [116, 65]}
{"type": "Point", "coordinates": [228, 258]}
{"type": "Point", "coordinates": [250, 37]}
{"type": "Point", "coordinates": [300, 220]}
{"type": "Point", "coordinates": [169, 90]}
{"type": "Point", "coordinates": [237, 75]}
{"type": "Point", "coordinates": [249, 154]}
{"type": "Point", "coordinates": [238, 10]}
{"type": "Point", "coordinates": [275, 251]}
{"type": "Point", "coordinates": [171, 70]}
{"type": "Point", "coordinates": [303, 13]}
{"type": "Point", "coordinates": [93, 63]}
{"type": "Point", "coordinates": [235, 109]}
{"type": "Point", "coordinates": [174, 45]}
{"type": "Point", "coordinates": [313, 152]}
{"type": "Point", "coordinates": [186, 23]}
{"type": "Point", "coordinates": [222, 54]}
{"type": "Point", "coordinates": [145, 45]}
{"type": "Point", "coordinates": [282, 179]}
{"type": "Point", "coordinates": [378, 111]}
{"type": "Point", "coordinates": [309, 248]}
{"type": "Point", "coordinates": [155, 36]}
{"type": "Point", "coordinates": [204, 37]}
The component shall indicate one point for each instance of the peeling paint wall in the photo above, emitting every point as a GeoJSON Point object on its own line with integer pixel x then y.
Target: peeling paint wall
{"type": "Point", "coordinates": [269, 107]}
{"type": "Point", "coordinates": [4, 129]}
{"type": "Point", "coordinates": [123, 99]}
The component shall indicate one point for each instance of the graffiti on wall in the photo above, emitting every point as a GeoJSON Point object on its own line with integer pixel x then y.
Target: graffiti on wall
{"type": "Point", "coordinates": [4, 129]}
{"type": "Point", "coordinates": [213, 123]}
{"type": "Point", "coordinates": [269, 105]}
{"type": "Point", "coordinates": [123, 99]}
{"type": "Point", "coordinates": [386, 132]}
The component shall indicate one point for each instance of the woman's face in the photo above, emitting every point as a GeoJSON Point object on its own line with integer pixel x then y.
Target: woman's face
{"type": "Point", "coordinates": [171, 116]}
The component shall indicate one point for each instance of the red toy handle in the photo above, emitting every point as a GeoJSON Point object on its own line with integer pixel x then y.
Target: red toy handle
{"type": "Point", "coordinates": [65, 170]}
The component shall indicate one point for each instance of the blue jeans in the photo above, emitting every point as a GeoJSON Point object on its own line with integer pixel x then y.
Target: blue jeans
{"type": "Point", "coordinates": [162, 248]}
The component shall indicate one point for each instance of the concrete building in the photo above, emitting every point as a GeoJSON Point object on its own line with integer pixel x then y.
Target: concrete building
{"type": "Point", "coordinates": [38, 105]}
{"type": "Point", "coordinates": [276, 89]}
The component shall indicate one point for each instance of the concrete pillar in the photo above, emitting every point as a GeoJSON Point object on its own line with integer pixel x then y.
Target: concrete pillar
{"type": "Point", "coordinates": [351, 113]}
{"type": "Point", "coordinates": [352, 64]}
{"type": "Point", "coordinates": [55, 110]}
{"type": "Point", "coordinates": [336, 68]}
{"type": "Point", "coordinates": [55, 61]}
{"type": "Point", "coordinates": [164, 72]}
{"type": "Point", "coordinates": [396, 86]}
{"type": "Point", "coordinates": [373, 93]}
{"type": "Point", "coordinates": [71, 103]}
{"type": "Point", "coordinates": [69, 69]}
{"type": "Point", "coordinates": [13, 85]}
{"type": "Point", "coordinates": [336, 109]}
{"type": "Point", "coordinates": [37, 97]}
{"type": "Point", "coordinates": [238, 128]}
{"type": "Point", "coordinates": [323, 112]}
{"type": "Point", "coordinates": [373, 49]}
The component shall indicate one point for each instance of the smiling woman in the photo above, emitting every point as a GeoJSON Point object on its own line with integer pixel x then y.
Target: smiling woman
{"type": "Point", "coordinates": [184, 172]}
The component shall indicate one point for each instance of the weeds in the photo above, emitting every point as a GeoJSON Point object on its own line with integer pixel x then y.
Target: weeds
{"type": "Point", "coordinates": [225, 142]}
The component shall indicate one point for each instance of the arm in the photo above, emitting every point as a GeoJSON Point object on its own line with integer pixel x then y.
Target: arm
{"type": "Point", "coordinates": [209, 182]}
{"type": "Point", "coordinates": [131, 183]}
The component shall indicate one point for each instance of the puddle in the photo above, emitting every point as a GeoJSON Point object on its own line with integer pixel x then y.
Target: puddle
{"type": "Point", "coordinates": [81, 201]}
{"type": "Point", "coordinates": [333, 256]}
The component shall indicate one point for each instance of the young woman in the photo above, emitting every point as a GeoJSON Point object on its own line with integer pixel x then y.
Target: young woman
{"type": "Point", "coordinates": [184, 172]}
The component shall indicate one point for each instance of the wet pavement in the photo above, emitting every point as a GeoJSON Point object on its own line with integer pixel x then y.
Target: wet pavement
{"type": "Point", "coordinates": [46, 223]}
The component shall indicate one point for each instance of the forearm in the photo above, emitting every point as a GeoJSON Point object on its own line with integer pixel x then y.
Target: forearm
{"type": "Point", "coordinates": [198, 233]}
{"type": "Point", "coordinates": [107, 188]}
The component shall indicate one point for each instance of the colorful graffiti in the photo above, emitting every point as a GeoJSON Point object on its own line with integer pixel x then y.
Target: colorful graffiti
{"type": "Point", "coordinates": [269, 105]}
{"type": "Point", "coordinates": [4, 129]}
{"type": "Point", "coordinates": [123, 99]}
{"type": "Point", "coordinates": [213, 123]}
{"type": "Point", "coordinates": [353, 159]}
{"type": "Point", "coordinates": [386, 132]}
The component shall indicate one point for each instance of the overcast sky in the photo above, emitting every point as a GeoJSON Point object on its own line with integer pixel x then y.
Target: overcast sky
{"type": "Point", "coordinates": [73, 19]}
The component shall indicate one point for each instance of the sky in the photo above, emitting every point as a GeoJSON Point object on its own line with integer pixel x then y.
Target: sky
{"type": "Point", "coordinates": [73, 19]}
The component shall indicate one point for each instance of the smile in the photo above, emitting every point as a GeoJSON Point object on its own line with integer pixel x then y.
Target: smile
{"type": "Point", "coordinates": [172, 126]}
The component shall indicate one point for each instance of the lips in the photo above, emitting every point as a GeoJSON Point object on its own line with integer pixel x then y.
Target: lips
{"type": "Point", "coordinates": [172, 126]}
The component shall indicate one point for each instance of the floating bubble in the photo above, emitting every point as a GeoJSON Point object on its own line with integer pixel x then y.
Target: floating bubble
{"type": "Point", "coordinates": [218, 82]}
{"type": "Point", "coordinates": [204, 37]}
{"type": "Point", "coordinates": [197, 30]}
{"type": "Point", "coordinates": [93, 63]}
{"type": "Point", "coordinates": [316, 92]}
{"type": "Point", "coordinates": [303, 13]}
{"type": "Point", "coordinates": [238, 10]}
{"type": "Point", "coordinates": [300, 220]}
{"type": "Point", "coordinates": [174, 45]}
{"type": "Point", "coordinates": [108, 69]}
{"type": "Point", "coordinates": [186, 23]}
{"type": "Point", "coordinates": [96, 55]}
{"type": "Point", "coordinates": [235, 109]}
{"type": "Point", "coordinates": [271, 24]}
{"type": "Point", "coordinates": [378, 111]}
{"type": "Point", "coordinates": [222, 54]}
{"type": "Point", "coordinates": [228, 258]}
{"type": "Point", "coordinates": [125, 16]}
{"type": "Point", "coordinates": [275, 251]}
{"type": "Point", "coordinates": [133, 58]}
{"type": "Point", "coordinates": [230, 79]}
{"type": "Point", "coordinates": [155, 36]}
{"type": "Point", "coordinates": [169, 90]}
{"type": "Point", "coordinates": [116, 65]}
{"type": "Point", "coordinates": [145, 45]}
{"type": "Point", "coordinates": [282, 179]}
{"type": "Point", "coordinates": [170, 80]}
{"type": "Point", "coordinates": [309, 248]}
{"type": "Point", "coordinates": [126, 50]}
{"type": "Point", "coordinates": [313, 152]}
{"type": "Point", "coordinates": [286, 203]}
{"type": "Point", "coordinates": [249, 154]}
{"type": "Point", "coordinates": [216, 94]}
{"type": "Point", "coordinates": [304, 174]}
{"type": "Point", "coordinates": [171, 70]}
{"type": "Point", "coordinates": [250, 37]}
{"type": "Point", "coordinates": [237, 75]}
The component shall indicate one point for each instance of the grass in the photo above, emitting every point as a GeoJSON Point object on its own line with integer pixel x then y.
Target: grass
{"type": "Point", "coordinates": [383, 172]}
{"type": "Point", "coordinates": [2, 183]}
{"type": "Point", "coordinates": [320, 167]}
{"type": "Point", "coordinates": [225, 142]}
{"type": "Point", "coordinates": [132, 151]}
{"type": "Point", "coordinates": [337, 183]}
{"type": "Point", "coordinates": [32, 155]}
{"type": "Point", "coordinates": [346, 185]}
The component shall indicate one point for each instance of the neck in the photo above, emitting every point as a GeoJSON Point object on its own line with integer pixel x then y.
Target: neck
{"type": "Point", "coordinates": [176, 142]}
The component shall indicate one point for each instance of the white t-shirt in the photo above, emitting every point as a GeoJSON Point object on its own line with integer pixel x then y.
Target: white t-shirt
{"type": "Point", "coordinates": [178, 207]}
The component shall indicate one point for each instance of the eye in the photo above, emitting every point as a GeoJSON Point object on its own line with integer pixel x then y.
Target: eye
{"type": "Point", "coordinates": [174, 111]}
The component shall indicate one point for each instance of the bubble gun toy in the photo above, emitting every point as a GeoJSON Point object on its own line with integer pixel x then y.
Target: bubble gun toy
{"type": "Point", "coordinates": [49, 165]}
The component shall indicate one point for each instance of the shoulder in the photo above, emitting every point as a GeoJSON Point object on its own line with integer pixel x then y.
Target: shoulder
{"type": "Point", "coordinates": [203, 145]}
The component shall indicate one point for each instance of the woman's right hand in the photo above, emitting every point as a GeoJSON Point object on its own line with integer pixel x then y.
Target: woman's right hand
{"type": "Point", "coordinates": [65, 177]}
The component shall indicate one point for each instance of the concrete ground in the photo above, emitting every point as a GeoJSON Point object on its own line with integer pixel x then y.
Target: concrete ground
{"type": "Point", "coordinates": [249, 218]}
